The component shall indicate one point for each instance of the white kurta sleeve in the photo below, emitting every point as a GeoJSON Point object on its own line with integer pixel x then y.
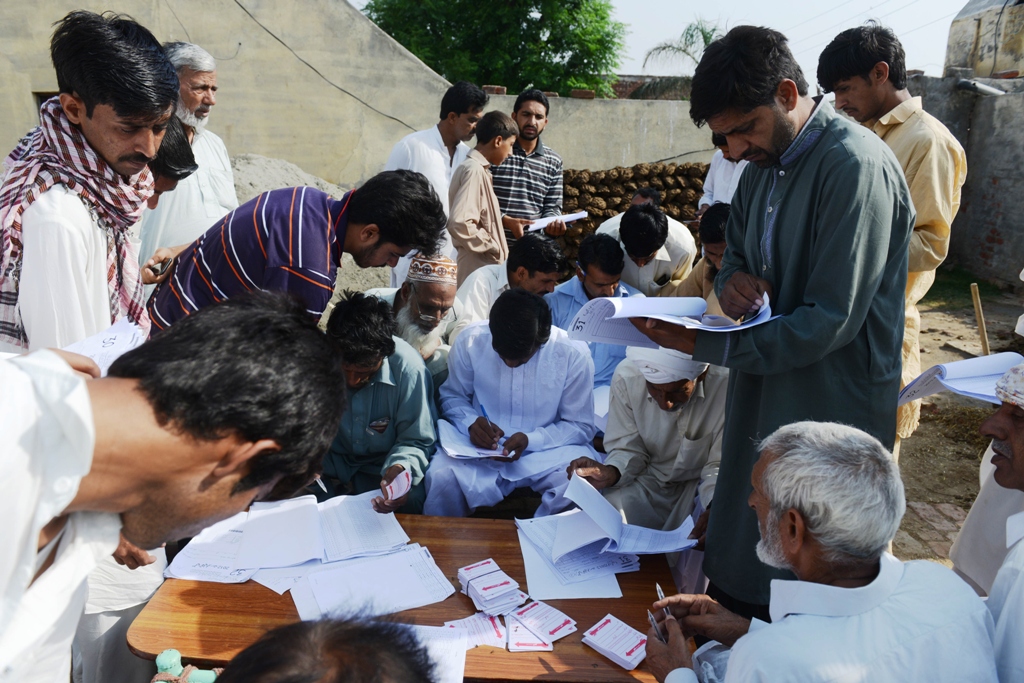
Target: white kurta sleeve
{"type": "Point", "coordinates": [457, 391]}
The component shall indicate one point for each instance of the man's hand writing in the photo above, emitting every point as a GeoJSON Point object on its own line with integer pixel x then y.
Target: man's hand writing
{"type": "Point", "coordinates": [485, 434]}
{"type": "Point", "coordinates": [600, 476]}
{"type": "Point", "coordinates": [743, 294]}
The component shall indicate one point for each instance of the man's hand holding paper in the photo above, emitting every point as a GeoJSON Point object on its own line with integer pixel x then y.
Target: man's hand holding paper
{"type": "Point", "coordinates": [744, 294]}
{"type": "Point", "coordinates": [600, 476]}
{"type": "Point", "coordinates": [395, 486]}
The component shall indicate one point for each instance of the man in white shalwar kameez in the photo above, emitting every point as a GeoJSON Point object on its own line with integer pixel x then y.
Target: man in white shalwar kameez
{"type": "Point", "coordinates": [516, 377]}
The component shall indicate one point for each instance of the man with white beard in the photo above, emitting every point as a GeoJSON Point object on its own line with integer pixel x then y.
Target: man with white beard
{"type": "Point", "coordinates": [425, 309]}
{"type": "Point", "coordinates": [209, 193]}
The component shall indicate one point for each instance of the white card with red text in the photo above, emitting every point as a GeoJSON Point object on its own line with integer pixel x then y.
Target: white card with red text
{"type": "Point", "coordinates": [400, 485]}
{"type": "Point", "coordinates": [545, 621]}
{"type": "Point", "coordinates": [618, 641]}
{"type": "Point", "coordinates": [481, 629]}
{"type": "Point", "coordinates": [522, 639]}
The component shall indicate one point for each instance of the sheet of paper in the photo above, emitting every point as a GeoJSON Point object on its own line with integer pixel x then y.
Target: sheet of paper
{"type": "Point", "coordinates": [974, 377]}
{"type": "Point", "coordinates": [281, 579]}
{"type": "Point", "coordinates": [542, 223]}
{"type": "Point", "coordinates": [381, 585]}
{"type": "Point", "coordinates": [591, 502]}
{"type": "Point", "coordinates": [210, 556]}
{"type": "Point", "coordinates": [447, 649]}
{"type": "Point", "coordinates": [457, 445]}
{"type": "Point", "coordinates": [543, 583]}
{"type": "Point", "coordinates": [110, 344]}
{"type": "Point", "coordinates": [305, 602]}
{"type": "Point", "coordinates": [481, 629]}
{"type": "Point", "coordinates": [522, 639]}
{"type": "Point", "coordinates": [605, 320]}
{"type": "Point", "coordinates": [580, 564]}
{"type": "Point", "coordinates": [545, 621]}
{"type": "Point", "coordinates": [574, 529]}
{"type": "Point", "coordinates": [540, 461]}
{"type": "Point", "coordinates": [717, 323]}
{"type": "Point", "coordinates": [281, 534]}
{"type": "Point", "coordinates": [400, 485]}
{"type": "Point", "coordinates": [351, 527]}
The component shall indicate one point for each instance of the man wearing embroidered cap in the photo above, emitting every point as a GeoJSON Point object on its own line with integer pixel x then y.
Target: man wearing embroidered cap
{"type": "Point", "coordinates": [664, 438]}
{"type": "Point", "coordinates": [426, 310]}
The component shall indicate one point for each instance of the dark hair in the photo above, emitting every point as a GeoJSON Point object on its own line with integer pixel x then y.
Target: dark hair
{"type": "Point", "coordinates": [718, 140]}
{"type": "Point", "coordinates": [643, 230]}
{"type": "Point", "coordinates": [712, 223]}
{"type": "Point", "coordinates": [650, 194]}
{"type": "Point", "coordinates": [333, 651]}
{"type": "Point", "coordinates": [404, 207]}
{"type": "Point", "coordinates": [533, 95]}
{"type": "Point", "coordinates": [111, 59]}
{"type": "Point", "coordinates": [742, 70]}
{"type": "Point", "coordinates": [536, 252]}
{"type": "Point", "coordinates": [493, 124]}
{"type": "Point", "coordinates": [174, 159]}
{"type": "Point", "coordinates": [462, 98]}
{"type": "Point", "coordinates": [603, 251]}
{"type": "Point", "coordinates": [520, 322]}
{"type": "Point", "coordinates": [855, 51]}
{"type": "Point", "coordinates": [364, 327]}
{"type": "Point", "coordinates": [254, 366]}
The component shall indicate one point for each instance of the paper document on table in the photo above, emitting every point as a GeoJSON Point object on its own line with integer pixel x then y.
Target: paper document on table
{"type": "Point", "coordinates": [447, 650]}
{"type": "Point", "coordinates": [974, 377]}
{"type": "Point", "coordinates": [622, 537]}
{"type": "Point", "coordinates": [720, 323]}
{"type": "Point", "coordinates": [542, 223]}
{"type": "Point", "coordinates": [544, 584]}
{"type": "Point", "coordinates": [110, 344]}
{"type": "Point", "coordinates": [381, 585]}
{"type": "Point", "coordinates": [210, 556]}
{"type": "Point", "coordinates": [605, 320]}
{"type": "Point", "coordinates": [351, 527]}
{"type": "Point", "coordinates": [281, 534]}
{"type": "Point", "coordinates": [575, 530]}
{"type": "Point", "coordinates": [457, 445]}
{"type": "Point", "coordinates": [580, 564]}
{"type": "Point", "coordinates": [481, 629]}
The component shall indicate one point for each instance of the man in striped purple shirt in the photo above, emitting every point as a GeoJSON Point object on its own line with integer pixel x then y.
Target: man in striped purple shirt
{"type": "Point", "coordinates": [292, 240]}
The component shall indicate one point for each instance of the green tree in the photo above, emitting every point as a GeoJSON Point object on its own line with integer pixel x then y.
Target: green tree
{"type": "Point", "coordinates": [553, 45]}
{"type": "Point", "coordinates": [688, 47]}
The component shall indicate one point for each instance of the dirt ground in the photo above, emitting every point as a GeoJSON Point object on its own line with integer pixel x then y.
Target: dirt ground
{"type": "Point", "coordinates": [940, 461]}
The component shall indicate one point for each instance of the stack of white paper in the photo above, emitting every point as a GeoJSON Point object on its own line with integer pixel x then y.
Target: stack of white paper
{"type": "Point", "coordinates": [974, 377]}
{"type": "Point", "coordinates": [542, 223]}
{"type": "Point", "coordinates": [455, 444]}
{"type": "Point", "coordinates": [210, 556]}
{"type": "Point", "coordinates": [617, 641]}
{"type": "Point", "coordinates": [578, 564]}
{"type": "Point", "coordinates": [352, 528]}
{"type": "Point", "coordinates": [544, 621]}
{"type": "Point", "coordinates": [481, 629]}
{"type": "Point", "coordinates": [544, 584]}
{"type": "Point", "coordinates": [471, 571]}
{"type": "Point", "coordinates": [495, 593]}
{"type": "Point", "coordinates": [719, 323]}
{"type": "Point", "coordinates": [605, 320]}
{"type": "Point", "coordinates": [522, 639]}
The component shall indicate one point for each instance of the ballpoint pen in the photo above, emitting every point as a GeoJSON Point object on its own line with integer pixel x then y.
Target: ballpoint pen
{"type": "Point", "coordinates": [320, 483]}
{"type": "Point", "coordinates": [661, 596]}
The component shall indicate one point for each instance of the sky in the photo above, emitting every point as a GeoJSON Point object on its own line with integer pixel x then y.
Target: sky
{"type": "Point", "coordinates": [921, 25]}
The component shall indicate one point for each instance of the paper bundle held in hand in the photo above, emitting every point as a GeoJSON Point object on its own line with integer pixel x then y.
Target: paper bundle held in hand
{"type": "Point", "coordinates": [522, 639]}
{"type": "Point", "coordinates": [457, 445]}
{"type": "Point", "coordinates": [618, 641]}
{"type": "Point", "coordinates": [602, 521]}
{"type": "Point", "coordinates": [542, 223]}
{"type": "Point", "coordinates": [110, 344]}
{"type": "Point", "coordinates": [974, 377]}
{"type": "Point", "coordinates": [606, 320]}
{"type": "Point", "coordinates": [400, 485]}
{"type": "Point", "coordinates": [545, 621]}
{"type": "Point", "coordinates": [481, 629]}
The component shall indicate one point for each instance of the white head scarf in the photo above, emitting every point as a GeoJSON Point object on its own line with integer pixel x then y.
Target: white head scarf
{"type": "Point", "coordinates": [664, 366]}
{"type": "Point", "coordinates": [1010, 387]}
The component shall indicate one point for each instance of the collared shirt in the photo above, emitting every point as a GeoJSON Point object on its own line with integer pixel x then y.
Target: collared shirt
{"type": "Point", "coordinates": [390, 421]}
{"type": "Point", "coordinates": [697, 284]}
{"type": "Point", "coordinates": [425, 152]}
{"type": "Point", "coordinates": [196, 202]}
{"type": "Point", "coordinates": [722, 179]}
{"type": "Point", "coordinates": [671, 264]}
{"type": "Point", "coordinates": [565, 302]}
{"type": "Point", "coordinates": [476, 296]}
{"type": "Point", "coordinates": [1006, 602]}
{"type": "Point", "coordinates": [63, 295]}
{"type": "Point", "coordinates": [287, 240]}
{"type": "Point", "coordinates": [46, 446]}
{"type": "Point", "coordinates": [550, 398]}
{"type": "Point", "coordinates": [474, 223]}
{"type": "Point", "coordinates": [529, 185]}
{"type": "Point", "coordinates": [664, 456]}
{"type": "Point", "coordinates": [828, 228]}
{"type": "Point", "coordinates": [917, 621]}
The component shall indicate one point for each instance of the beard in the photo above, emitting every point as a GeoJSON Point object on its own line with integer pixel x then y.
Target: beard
{"type": "Point", "coordinates": [783, 134]}
{"type": "Point", "coordinates": [424, 342]}
{"type": "Point", "coordinates": [189, 118]}
{"type": "Point", "coordinates": [769, 548]}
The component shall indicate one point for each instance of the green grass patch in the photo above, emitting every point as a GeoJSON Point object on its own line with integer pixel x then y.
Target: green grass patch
{"type": "Point", "coordinates": [952, 289]}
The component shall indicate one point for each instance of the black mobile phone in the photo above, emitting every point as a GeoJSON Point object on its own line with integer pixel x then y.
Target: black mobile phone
{"type": "Point", "coordinates": [159, 268]}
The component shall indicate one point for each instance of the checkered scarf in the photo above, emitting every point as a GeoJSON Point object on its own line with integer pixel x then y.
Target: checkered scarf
{"type": "Point", "coordinates": [56, 153]}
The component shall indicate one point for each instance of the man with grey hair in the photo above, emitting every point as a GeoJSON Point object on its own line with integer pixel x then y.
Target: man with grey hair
{"type": "Point", "coordinates": [209, 193]}
{"type": "Point", "coordinates": [828, 500]}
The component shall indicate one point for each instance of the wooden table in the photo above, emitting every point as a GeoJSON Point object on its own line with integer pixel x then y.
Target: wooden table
{"type": "Point", "coordinates": [209, 623]}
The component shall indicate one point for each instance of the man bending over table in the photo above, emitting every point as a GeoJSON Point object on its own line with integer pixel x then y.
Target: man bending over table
{"type": "Point", "coordinates": [516, 377]}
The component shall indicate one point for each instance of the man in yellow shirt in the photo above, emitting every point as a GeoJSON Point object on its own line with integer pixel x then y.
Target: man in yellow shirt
{"type": "Point", "coordinates": [866, 70]}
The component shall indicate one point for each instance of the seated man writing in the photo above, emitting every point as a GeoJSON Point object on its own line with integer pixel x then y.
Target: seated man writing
{"type": "Point", "coordinates": [425, 310]}
{"type": "Point", "coordinates": [535, 263]}
{"type": "Point", "coordinates": [389, 425]}
{"type": "Point", "coordinates": [516, 377]}
{"type": "Point", "coordinates": [664, 438]}
{"type": "Point", "coordinates": [829, 499]}
{"type": "Point", "coordinates": [599, 265]}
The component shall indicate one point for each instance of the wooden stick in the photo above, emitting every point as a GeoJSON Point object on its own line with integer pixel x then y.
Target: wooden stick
{"type": "Point", "coordinates": [980, 317]}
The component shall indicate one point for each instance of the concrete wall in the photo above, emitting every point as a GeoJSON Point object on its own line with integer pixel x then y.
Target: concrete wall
{"type": "Point", "coordinates": [987, 36]}
{"type": "Point", "coordinates": [988, 232]}
{"type": "Point", "coordinates": [319, 85]}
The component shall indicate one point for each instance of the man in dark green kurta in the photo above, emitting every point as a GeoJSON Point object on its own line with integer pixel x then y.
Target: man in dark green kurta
{"type": "Point", "coordinates": [820, 222]}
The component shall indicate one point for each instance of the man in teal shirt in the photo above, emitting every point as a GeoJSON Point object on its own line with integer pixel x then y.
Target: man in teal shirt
{"type": "Point", "coordinates": [820, 226]}
{"type": "Point", "coordinates": [389, 425]}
